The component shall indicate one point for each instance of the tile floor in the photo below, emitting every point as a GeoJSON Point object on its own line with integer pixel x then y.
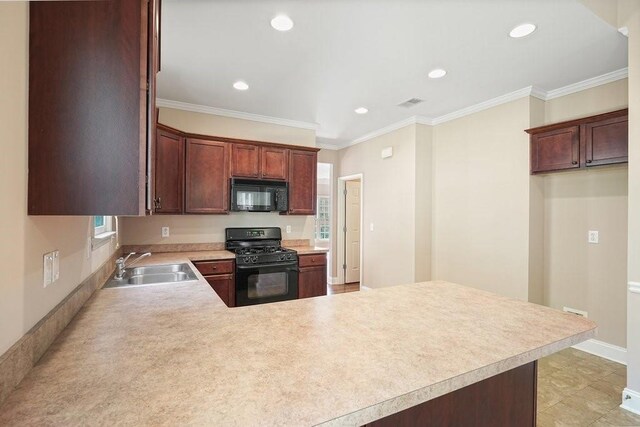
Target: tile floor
{"type": "Point", "coordinates": [579, 389]}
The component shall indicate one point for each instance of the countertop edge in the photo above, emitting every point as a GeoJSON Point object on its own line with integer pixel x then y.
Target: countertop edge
{"type": "Point", "coordinates": [421, 395]}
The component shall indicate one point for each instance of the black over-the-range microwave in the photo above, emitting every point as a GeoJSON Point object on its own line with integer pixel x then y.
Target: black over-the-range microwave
{"type": "Point", "coordinates": [253, 195]}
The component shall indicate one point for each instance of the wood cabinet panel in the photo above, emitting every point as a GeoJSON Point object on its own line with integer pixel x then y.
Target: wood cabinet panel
{"type": "Point", "coordinates": [302, 182]}
{"type": "Point", "coordinates": [214, 267]}
{"type": "Point", "coordinates": [207, 177]}
{"type": "Point", "coordinates": [312, 279]}
{"type": "Point", "coordinates": [245, 160]}
{"type": "Point", "coordinates": [507, 399]}
{"type": "Point", "coordinates": [224, 285]}
{"type": "Point", "coordinates": [169, 173]}
{"type": "Point", "coordinates": [89, 110]}
{"type": "Point", "coordinates": [607, 141]}
{"type": "Point", "coordinates": [274, 163]}
{"type": "Point", "coordinates": [312, 260]}
{"type": "Point", "coordinates": [555, 150]}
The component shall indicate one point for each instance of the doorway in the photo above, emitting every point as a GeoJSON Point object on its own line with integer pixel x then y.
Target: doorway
{"type": "Point", "coordinates": [350, 219]}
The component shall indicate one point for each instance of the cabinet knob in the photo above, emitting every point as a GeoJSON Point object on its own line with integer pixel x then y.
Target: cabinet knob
{"type": "Point", "coordinates": [589, 161]}
{"type": "Point", "coordinates": [575, 162]}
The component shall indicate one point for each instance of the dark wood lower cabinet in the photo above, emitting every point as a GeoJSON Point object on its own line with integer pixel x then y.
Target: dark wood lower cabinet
{"type": "Point", "coordinates": [312, 279]}
{"type": "Point", "coordinates": [220, 276]}
{"type": "Point", "coordinates": [507, 399]}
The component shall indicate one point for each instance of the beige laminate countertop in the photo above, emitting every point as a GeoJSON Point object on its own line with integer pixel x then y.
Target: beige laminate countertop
{"type": "Point", "coordinates": [175, 355]}
{"type": "Point", "coordinates": [308, 250]}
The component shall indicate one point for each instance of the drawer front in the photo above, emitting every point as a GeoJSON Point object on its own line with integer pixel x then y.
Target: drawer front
{"type": "Point", "coordinates": [312, 260]}
{"type": "Point", "coordinates": [214, 267]}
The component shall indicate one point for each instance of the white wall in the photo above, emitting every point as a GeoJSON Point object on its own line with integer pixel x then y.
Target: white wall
{"type": "Point", "coordinates": [23, 300]}
{"type": "Point", "coordinates": [481, 200]}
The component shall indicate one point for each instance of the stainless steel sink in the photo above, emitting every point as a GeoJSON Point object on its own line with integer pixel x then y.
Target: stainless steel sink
{"type": "Point", "coordinates": [153, 275]}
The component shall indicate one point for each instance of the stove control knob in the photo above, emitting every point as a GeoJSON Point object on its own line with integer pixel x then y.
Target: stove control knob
{"type": "Point", "coordinates": [282, 257]}
{"type": "Point", "coordinates": [246, 260]}
{"type": "Point", "coordinates": [254, 259]}
{"type": "Point", "coordinates": [289, 256]}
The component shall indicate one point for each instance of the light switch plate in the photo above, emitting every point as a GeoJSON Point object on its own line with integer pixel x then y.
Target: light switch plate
{"type": "Point", "coordinates": [371, 227]}
{"type": "Point", "coordinates": [593, 237]}
{"type": "Point", "coordinates": [165, 232]}
{"type": "Point", "coordinates": [288, 229]}
{"type": "Point", "coordinates": [55, 274]}
{"type": "Point", "coordinates": [47, 269]}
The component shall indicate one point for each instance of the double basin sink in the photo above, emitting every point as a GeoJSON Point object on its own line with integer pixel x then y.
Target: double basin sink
{"type": "Point", "coordinates": [153, 275]}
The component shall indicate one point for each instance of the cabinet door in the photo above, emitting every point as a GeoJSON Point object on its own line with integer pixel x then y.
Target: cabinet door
{"type": "Point", "coordinates": [607, 141]}
{"type": "Point", "coordinates": [312, 282]}
{"type": "Point", "coordinates": [555, 150]}
{"type": "Point", "coordinates": [224, 286]}
{"type": "Point", "coordinates": [274, 163]}
{"type": "Point", "coordinates": [169, 173]}
{"type": "Point", "coordinates": [302, 182]}
{"type": "Point", "coordinates": [245, 160]}
{"type": "Point", "coordinates": [89, 114]}
{"type": "Point", "coordinates": [207, 177]}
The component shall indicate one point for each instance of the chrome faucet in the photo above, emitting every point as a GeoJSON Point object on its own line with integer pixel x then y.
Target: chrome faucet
{"type": "Point", "coordinates": [121, 264]}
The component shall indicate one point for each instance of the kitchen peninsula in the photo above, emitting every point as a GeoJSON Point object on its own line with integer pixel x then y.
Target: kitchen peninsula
{"type": "Point", "coordinates": [175, 354]}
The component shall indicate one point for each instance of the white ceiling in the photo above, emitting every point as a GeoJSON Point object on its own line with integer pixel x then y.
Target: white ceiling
{"type": "Point", "coordinates": [343, 54]}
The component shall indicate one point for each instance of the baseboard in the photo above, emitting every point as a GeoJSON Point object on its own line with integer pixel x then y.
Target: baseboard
{"type": "Point", "coordinates": [16, 362]}
{"type": "Point", "coordinates": [364, 288]}
{"type": "Point", "coordinates": [604, 350]}
{"type": "Point", "coordinates": [631, 401]}
{"type": "Point", "coordinates": [334, 281]}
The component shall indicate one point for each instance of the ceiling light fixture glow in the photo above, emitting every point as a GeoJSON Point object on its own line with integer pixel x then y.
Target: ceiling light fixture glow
{"type": "Point", "coordinates": [437, 73]}
{"type": "Point", "coordinates": [522, 30]}
{"type": "Point", "coordinates": [240, 85]}
{"type": "Point", "coordinates": [361, 110]}
{"type": "Point", "coordinates": [282, 23]}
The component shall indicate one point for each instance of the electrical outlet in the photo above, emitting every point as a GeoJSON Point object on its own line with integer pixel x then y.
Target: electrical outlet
{"type": "Point", "coordinates": [165, 231]}
{"type": "Point", "coordinates": [371, 227]}
{"type": "Point", "coordinates": [288, 229]}
{"type": "Point", "coordinates": [47, 269]}
{"type": "Point", "coordinates": [575, 311]}
{"type": "Point", "coordinates": [55, 273]}
{"type": "Point", "coordinates": [593, 236]}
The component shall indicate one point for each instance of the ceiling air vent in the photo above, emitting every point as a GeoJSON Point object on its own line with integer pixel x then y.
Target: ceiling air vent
{"type": "Point", "coordinates": [411, 102]}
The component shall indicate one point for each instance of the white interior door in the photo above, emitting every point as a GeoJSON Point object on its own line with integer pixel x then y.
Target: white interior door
{"type": "Point", "coordinates": [352, 233]}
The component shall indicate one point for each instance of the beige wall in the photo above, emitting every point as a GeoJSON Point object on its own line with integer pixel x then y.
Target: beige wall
{"type": "Point", "coordinates": [23, 299]}
{"type": "Point", "coordinates": [210, 228]}
{"type": "Point", "coordinates": [423, 194]}
{"type": "Point", "coordinates": [481, 200]}
{"type": "Point", "coordinates": [389, 203]}
{"type": "Point", "coordinates": [576, 274]}
{"type": "Point", "coordinates": [208, 124]}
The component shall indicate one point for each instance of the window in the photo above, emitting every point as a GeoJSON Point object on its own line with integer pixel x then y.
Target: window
{"type": "Point", "coordinates": [323, 223]}
{"type": "Point", "coordinates": [104, 230]}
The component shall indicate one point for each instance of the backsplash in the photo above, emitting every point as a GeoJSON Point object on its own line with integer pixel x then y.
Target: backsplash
{"type": "Point", "coordinates": [208, 228]}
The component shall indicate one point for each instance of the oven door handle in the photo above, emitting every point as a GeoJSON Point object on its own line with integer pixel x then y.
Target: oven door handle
{"type": "Point", "coordinates": [288, 267]}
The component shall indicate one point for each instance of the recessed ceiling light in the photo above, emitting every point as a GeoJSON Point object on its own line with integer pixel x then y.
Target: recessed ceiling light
{"type": "Point", "coordinates": [437, 73]}
{"type": "Point", "coordinates": [240, 85]}
{"type": "Point", "coordinates": [282, 23]}
{"type": "Point", "coordinates": [361, 110]}
{"type": "Point", "coordinates": [522, 30]}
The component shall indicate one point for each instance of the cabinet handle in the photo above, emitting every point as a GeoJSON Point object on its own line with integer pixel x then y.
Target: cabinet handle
{"type": "Point", "coordinates": [574, 162]}
{"type": "Point", "coordinates": [589, 161]}
{"type": "Point", "coordinates": [158, 202]}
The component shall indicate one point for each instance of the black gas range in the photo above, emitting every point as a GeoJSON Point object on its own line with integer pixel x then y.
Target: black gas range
{"type": "Point", "coordinates": [265, 271]}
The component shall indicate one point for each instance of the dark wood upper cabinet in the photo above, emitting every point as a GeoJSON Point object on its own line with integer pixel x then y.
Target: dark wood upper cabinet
{"type": "Point", "coordinates": [607, 141]}
{"type": "Point", "coordinates": [590, 141]}
{"type": "Point", "coordinates": [169, 173]}
{"type": "Point", "coordinates": [555, 150]}
{"type": "Point", "coordinates": [92, 67]}
{"type": "Point", "coordinates": [207, 176]}
{"type": "Point", "coordinates": [274, 163]}
{"type": "Point", "coordinates": [245, 160]}
{"type": "Point", "coordinates": [302, 182]}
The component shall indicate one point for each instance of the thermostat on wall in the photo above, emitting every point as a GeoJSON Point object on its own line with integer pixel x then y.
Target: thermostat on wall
{"type": "Point", "coordinates": [387, 152]}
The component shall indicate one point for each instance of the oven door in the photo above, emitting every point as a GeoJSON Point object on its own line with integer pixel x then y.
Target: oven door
{"type": "Point", "coordinates": [258, 284]}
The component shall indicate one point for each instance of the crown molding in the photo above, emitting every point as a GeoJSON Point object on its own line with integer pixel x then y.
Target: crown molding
{"type": "Point", "coordinates": [195, 108]}
{"type": "Point", "coordinates": [588, 83]}
{"type": "Point", "coordinates": [329, 146]}
{"type": "Point", "coordinates": [485, 105]}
